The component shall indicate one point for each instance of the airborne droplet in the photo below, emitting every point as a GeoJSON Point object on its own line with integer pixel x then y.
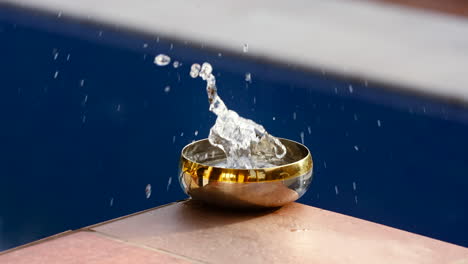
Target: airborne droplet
{"type": "Point", "coordinates": [169, 181]}
{"type": "Point", "coordinates": [205, 71]}
{"type": "Point", "coordinates": [148, 191]}
{"type": "Point", "coordinates": [245, 48]}
{"type": "Point", "coordinates": [162, 60]}
{"type": "Point", "coordinates": [195, 70]}
{"type": "Point", "coordinates": [248, 77]}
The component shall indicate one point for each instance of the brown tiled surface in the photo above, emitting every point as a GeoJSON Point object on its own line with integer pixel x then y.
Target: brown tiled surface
{"type": "Point", "coordinates": [189, 232]}
{"type": "Point", "coordinates": [85, 247]}
{"type": "Point", "coordinates": [295, 233]}
{"type": "Point", "coordinates": [455, 7]}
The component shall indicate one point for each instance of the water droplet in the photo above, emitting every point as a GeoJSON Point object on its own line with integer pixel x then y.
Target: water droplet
{"type": "Point", "coordinates": [171, 47]}
{"type": "Point", "coordinates": [355, 117]}
{"type": "Point", "coordinates": [167, 89]}
{"type": "Point", "coordinates": [162, 60]}
{"type": "Point", "coordinates": [325, 164]}
{"type": "Point", "coordinates": [176, 64]}
{"type": "Point", "coordinates": [56, 56]}
{"type": "Point", "coordinates": [195, 70]}
{"type": "Point", "coordinates": [196, 133]}
{"type": "Point", "coordinates": [178, 77]}
{"type": "Point", "coordinates": [68, 57]}
{"type": "Point", "coordinates": [173, 139]}
{"type": "Point", "coordinates": [118, 108]}
{"type": "Point", "coordinates": [83, 119]}
{"type": "Point", "coordinates": [309, 130]}
{"type": "Point", "coordinates": [355, 199]}
{"type": "Point", "coordinates": [350, 88]}
{"type": "Point", "coordinates": [111, 203]}
{"type": "Point", "coordinates": [248, 77]}
{"type": "Point", "coordinates": [255, 100]}
{"type": "Point", "coordinates": [274, 118]}
{"type": "Point", "coordinates": [302, 138]}
{"type": "Point", "coordinates": [205, 71]}
{"type": "Point", "coordinates": [85, 100]}
{"type": "Point", "coordinates": [145, 45]}
{"type": "Point", "coordinates": [169, 181]}
{"type": "Point", "coordinates": [336, 90]}
{"type": "Point", "coordinates": [182, 134]}
{"type": "Point", "coordinates": [100, 33]}
{"type": "Point", "coordinates": [59, 15]}
{"type": "Point", "coordinates": [354, 186]}
{"type": "Point", "coordinates": [294, 116]}
{"type": "Point", "coordinates": [379, 124]}
{"type": "Point", "coordinates": [356, 148]}
{"type": "Point", "coordinates": [245, 48]}
{"type": "Point", "coordinates": [220, 54]}
{"type": "Point", "coordinates": [336, 190]}
{"type": "Point", "coordinates": [148, 191]}
{"type": "Point", "coordinates": [56, 74]}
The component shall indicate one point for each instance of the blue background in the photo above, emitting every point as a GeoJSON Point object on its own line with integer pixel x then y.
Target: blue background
{"type": "Point", "coordinates": [63, 158]}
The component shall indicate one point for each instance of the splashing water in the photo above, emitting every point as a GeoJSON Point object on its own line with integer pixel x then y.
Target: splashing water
{"type": "Point", "coordinates": [245, 143]}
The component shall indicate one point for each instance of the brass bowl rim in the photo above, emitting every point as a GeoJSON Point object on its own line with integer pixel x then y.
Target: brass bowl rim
{"type": "Point", "coordinates": [298, 162]}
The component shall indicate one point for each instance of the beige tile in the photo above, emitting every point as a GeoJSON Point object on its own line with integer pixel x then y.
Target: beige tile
{"type": "Point", "coordinates": [295, 233]}
{"type": "Point", "coordinates": [85, 247]}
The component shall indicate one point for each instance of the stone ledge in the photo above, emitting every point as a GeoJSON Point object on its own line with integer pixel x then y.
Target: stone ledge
{"type": "Point", "coordinates": [192, 232]}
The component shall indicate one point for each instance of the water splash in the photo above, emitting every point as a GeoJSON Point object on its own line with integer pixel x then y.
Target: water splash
{"type": "Point", "coordinates": [245, 143]}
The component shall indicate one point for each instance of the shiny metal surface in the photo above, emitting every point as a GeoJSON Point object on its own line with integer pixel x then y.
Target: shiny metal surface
{"type": "Point", "coordinates": [244, 188]}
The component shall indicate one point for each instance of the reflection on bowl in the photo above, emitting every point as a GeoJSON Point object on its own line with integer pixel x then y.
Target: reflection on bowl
{"type": "Point", "coordinates": [244, 188]}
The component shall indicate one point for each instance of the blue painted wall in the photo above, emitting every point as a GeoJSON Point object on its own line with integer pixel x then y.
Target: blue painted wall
{"type": "Point", "coordinates": [69, 147]}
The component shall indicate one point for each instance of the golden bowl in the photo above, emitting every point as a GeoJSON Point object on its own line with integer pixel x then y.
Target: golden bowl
{"type": "Point", "coordinates": [244, 188]}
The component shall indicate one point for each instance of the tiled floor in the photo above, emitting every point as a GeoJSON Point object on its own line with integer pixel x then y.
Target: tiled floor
{"type": "Point", "coordinates": [189, 232]}
{"type": "Point", "coordinates": [86, 247]}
